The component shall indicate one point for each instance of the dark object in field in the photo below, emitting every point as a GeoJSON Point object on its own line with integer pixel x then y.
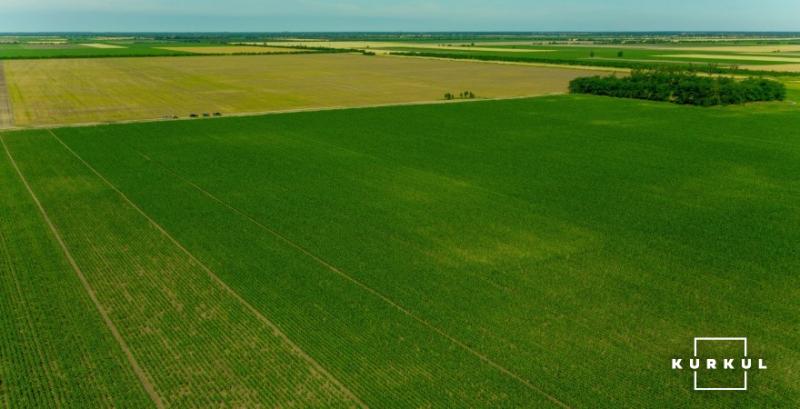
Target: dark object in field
{"type": "Point", "coordinates": [192, 115]}
{"type": "Point", "coordinates": [681, 87]}
{"type": "Point", "coordinates": [217, 114]}
{"type": "Point", "coordinates": [206, 115]}
{"type": "Point", "coordinates": [464, 95]}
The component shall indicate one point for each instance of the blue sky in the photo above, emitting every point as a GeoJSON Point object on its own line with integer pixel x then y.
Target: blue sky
{"type": "Point", "coordinates": [388, 15]}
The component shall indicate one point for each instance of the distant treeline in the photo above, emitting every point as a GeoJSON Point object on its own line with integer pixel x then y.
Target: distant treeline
{"type": "Point", "coordinates": [681, 87]}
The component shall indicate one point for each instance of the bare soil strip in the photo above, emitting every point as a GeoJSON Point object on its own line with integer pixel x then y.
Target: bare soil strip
{"type": "Point", "coordinates": [276, 330]}
{"type": "Point", "coordinates": [486, 359]}
{"type": "Point", "coordinates": [140, 373]}
{"type": "Point", "coordinates": [6, 113]}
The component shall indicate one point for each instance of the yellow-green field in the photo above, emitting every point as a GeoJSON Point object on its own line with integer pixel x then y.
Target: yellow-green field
{"type": "Point", "coordinates": [6, 114]}
{"type": "Point", "coordinates": [777, 67]}
{"type": "Point", "coordinates": [69, 91]}
{"type": "Point", "coordinates": [372, 45]}
{"type": "Point", "coordinates": [230, 49]}
{"type": "Point", "coordinates": [102, 45]}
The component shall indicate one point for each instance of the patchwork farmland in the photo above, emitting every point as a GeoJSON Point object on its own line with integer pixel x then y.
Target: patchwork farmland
{"type": "Point", "coordinates": [387, 231]}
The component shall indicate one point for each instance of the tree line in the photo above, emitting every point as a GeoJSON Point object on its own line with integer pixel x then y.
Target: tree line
{"type": "Point", "coordinates": [681, 87]}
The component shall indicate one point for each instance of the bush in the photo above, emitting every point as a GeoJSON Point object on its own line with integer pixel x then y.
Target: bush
{"type": "Point", "coordinates": [681, 87]}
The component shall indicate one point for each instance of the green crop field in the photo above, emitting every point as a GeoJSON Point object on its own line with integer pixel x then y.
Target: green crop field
{"type": "Point", "coordinates": [77, 50]}
{"type": "Point", "coordinates": [89, 48]}
{"type": "Point", "coordinates": [546, 252]}
{"type": "Point", "coordinates": [737, 58]}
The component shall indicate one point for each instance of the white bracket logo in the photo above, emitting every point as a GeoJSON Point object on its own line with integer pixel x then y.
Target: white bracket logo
{"type": "Point", "coordinates": [708, 365]}
{"type": "Point", "coordinates": [712, 339]}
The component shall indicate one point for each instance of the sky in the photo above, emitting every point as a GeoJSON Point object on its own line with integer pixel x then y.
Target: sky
{"type": "Point", "coordinates": [389, 15]}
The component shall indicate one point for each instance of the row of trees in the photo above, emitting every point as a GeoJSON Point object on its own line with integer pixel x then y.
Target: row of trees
{"type": "Point", "coordinates": [681, 87]}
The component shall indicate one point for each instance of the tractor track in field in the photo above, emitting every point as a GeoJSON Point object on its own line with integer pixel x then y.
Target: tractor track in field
{"type": "Point", "coordinates": [276, 331]}
{"type": "Point", "coordinates": [140, 373]}
{"type": "Point", "coordinates": [486, 359]}
{"type": "Point", "coordinates": [6, 110]}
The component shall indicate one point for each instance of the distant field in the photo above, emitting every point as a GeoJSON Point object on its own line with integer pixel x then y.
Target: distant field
{"type": "Point", "coordinates": [777, 68]}
{"type": "Point", "coordinates": [232, 49]}
{"type": "Point", "coordinates": [122, 48]}
{"type": "Point", "coordinates": [745, 48]}
{"type": "Point", "coordinates": [47, 92]}
{"type": "Point", "coordinates": [588, 55]}
{"type": "Point", "coordinates": [102, 45]}
{"type": "Point", "coordinates": [363, 45]}
{"type": "Point", "coordinates": [546, 252]}
{"type": "Point", "coordinates": [76, 50]}
{"type": "Point", "coordinates": [734, 57]}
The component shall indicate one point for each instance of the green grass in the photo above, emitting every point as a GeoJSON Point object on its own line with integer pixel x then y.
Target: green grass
{"type": "Point", "coordinates": [483, 254]}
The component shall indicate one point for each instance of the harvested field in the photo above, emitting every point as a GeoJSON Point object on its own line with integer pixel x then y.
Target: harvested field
{"type": "Point", "coordinates": [102, 45]}
{"type": "Point", "coordinates": [776, 68]}
{"type": "Point", "coordinates": [234, 49]}
{"type": "Point", "coordinates": [368, 45]}
{"type": "Point", "coordinates": [6, 113]}
{"type": "Point", "coordinates": [48, 92]}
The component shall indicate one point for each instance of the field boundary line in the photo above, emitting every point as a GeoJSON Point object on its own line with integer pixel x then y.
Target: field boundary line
{"type": "Point", "coordinates": [276, 331]}
{"type": "Point", "coordinates": [486, 359]}
{"type": "Point", "coordinates": [137, 369]}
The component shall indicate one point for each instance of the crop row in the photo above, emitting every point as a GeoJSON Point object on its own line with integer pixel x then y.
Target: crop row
{"type": "Point", "coordinates": [54, 349]}
{"type": "Point", "coordinates": [198, 344]}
